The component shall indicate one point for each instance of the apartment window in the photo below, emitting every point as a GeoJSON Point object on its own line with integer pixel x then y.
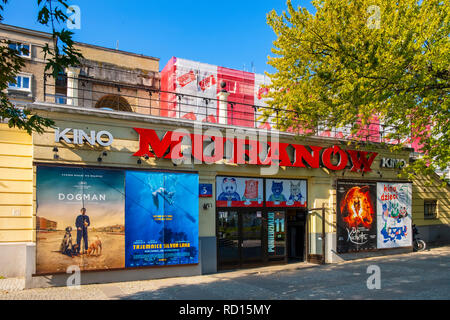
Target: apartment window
{"type": "Point", "coordinates": [60, 99]}
{"type": "Point", "coordinates": [430, 211]}
{"type": "Point", "coordinates": [23, 83]}
{"type": "Point", "coordinates": [22, 49]}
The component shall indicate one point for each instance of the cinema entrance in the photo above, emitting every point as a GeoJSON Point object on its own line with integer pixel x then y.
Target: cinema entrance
{"type": "Point", "coordinates": [240, 240]}
{"type": "Point", "coordinates": [247, 238]}
{"type": "Point", "coordinates": [260, 221]}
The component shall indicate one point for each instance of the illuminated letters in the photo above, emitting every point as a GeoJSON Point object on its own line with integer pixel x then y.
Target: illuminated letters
{"type": "Point", "coordinates": [169, 147]}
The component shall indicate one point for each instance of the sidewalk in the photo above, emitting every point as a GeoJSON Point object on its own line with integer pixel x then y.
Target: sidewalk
{"type": "Point", "coordinates": [12, 284]}
{"type": "Point", "coordinates": [401, 273]}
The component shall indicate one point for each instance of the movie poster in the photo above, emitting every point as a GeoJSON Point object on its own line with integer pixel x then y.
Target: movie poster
{"type": "Point", "coordinates": [394, 205]}
{"type": "Point", "coordinates": [92, 238]}
{"type": "Point", "coordinates": [356, 216]}
{"type": "Point", "coordinates": [161, 221]}
{"type": "Point", "coordinates": [285, 193]}
{"type": "Point", "coordinates": [239, 192]}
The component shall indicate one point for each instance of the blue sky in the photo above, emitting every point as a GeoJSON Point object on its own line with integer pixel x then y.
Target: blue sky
{"type": "Point", "coordinates": [229, 33]}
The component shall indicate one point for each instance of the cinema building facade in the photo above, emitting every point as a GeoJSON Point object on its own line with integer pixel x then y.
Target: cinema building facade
{"type": "Point", "coordinates": [162, 206]}
{"type": "Point", "coordinates": [130, 185]}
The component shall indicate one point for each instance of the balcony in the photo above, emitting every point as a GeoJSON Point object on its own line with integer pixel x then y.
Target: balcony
{"type": "Point", "coordinates": [132, 91]}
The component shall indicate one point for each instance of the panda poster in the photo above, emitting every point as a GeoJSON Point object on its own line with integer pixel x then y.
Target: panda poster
{"type": "Point", "coordinates": [286, 193]}
{"type": "Point", "coordinates": [80, 219]}
{"type": "Point", "coordinates": [394, 223]}
{"type": "Point", "coordinates": [161, 218]}
{"type": "Point", "coordinates": [239, 192]}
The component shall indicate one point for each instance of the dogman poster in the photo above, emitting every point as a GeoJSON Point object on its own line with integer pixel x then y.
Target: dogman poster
{"type": "Point", "coordinates": [394, 223]}
{"type": "Point", "coordinates": [80, 219]}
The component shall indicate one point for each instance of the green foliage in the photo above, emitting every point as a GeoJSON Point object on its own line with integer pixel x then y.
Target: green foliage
{"type": "Point", "coordinates": [59, 55]}
{"type": "Point", "coordinates": [352, 60]}
{"type": "Point", "coordinates": [62, 54]}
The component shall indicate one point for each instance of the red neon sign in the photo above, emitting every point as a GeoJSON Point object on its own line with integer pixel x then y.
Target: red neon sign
{"type": "Point", "coordinates": [169, 147]}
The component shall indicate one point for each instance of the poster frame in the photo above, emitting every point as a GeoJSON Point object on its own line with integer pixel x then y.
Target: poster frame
{"type": "Point", "coordinates": [287, 207]}
{"type": "Point", "coordinates": [73, 165]}
{"type": "Point", "coordinates": [412, 222]}
{"type": "Point", "coordinates": [264, 202]}
{"type": "Point", "coordinates": [376, 212]}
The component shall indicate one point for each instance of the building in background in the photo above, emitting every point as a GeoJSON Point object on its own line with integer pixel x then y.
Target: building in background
{"type": "Point", "coordinates": [106, 79]}
{"type": "Point", "coordinates": [189, 90]}
{"type": "Point", "coordinates": [45, 224]}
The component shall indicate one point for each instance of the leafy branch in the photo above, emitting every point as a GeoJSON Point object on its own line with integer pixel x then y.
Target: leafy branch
{"type": "Point", "coordinates": [60, 55]}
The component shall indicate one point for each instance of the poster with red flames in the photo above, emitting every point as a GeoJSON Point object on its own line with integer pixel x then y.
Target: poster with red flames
{"type": "Point", "coordinates": [356, 216]}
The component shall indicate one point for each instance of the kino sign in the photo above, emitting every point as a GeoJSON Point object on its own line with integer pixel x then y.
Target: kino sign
{"type": "Point", "coordinates": [80, 137]}
{"type": "Point", "coordinates": [392, 163]}
{"type": "Point", "coordinates": [247, 151]}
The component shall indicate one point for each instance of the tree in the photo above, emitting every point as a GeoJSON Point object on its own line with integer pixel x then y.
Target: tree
{"type": "Point", "coordinates": [59, 55]}
{"type": "Point", "coordinates": [353, 61]}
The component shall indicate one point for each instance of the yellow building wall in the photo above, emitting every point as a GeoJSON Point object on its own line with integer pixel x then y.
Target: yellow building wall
{"type": "Point", "coordinates": [119, 58]}
{"type": "Point", "coordinates": [429, 188]}
{"type": "Point", "coordinates": [16, 185]}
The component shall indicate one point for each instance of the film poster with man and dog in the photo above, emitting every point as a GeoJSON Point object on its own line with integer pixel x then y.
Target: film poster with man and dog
{"type": "Point", "coordinates": [80, 219]}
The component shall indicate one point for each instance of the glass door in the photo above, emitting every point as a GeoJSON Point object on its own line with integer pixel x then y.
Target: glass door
{"type": "Point", "coordinates": [228, 238]}
{"type": "Point", "coordinates": [296, 235]}
{"type": "Point", "coordinates": [251, 241]}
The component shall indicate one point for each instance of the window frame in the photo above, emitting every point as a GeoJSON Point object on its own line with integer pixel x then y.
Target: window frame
{"type": "Point", "coordinates": [21, 44]}
{"type": "Point", "coordinates": [22, 75]}
{"type": "Point", "coordinates": [60, 98]}
{"type": "Point", "coordinates": [430, 204]}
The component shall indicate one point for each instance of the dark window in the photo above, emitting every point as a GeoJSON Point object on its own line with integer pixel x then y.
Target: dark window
{"type": "Point", "coordinates": [23, 50]}
{"type": "Point", "coordinates": [430, 209]}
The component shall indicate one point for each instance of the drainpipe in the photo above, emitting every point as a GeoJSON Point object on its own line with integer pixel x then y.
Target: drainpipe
{"type": "Point", "coordinates": [223, 104]}
{"type": "Point", "coordinates": [72, 85]}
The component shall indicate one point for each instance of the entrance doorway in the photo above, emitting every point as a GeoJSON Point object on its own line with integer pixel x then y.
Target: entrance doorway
{"type": "Point", "coordinates": [296, 225]}
{"type": "Point", "coordinates": [249, 237]}
{"type": "Point", "coordinates": [239, 238]}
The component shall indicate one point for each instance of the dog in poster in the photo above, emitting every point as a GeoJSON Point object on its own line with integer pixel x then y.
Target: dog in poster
{"type": "Point", "coordinates": [95, 248]}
